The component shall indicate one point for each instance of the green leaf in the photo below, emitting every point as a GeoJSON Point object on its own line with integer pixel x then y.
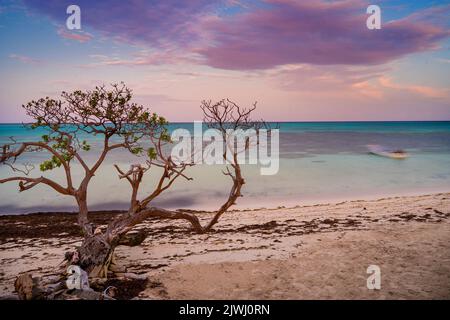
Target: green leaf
{"type": "Point", "coordinates": [151, 152]}
{"type": "Point", "coordinates": [46, 165]}
{"type": "Point", "coordinates": [137, 150]}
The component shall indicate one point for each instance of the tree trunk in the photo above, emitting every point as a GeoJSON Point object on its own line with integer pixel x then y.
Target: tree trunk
{"type": "Point", "coordinates": [96, 252]}
{"type": "Point", "coordinates": [83, 220]}
{"type": "Point", "coordinates": [95, 256]}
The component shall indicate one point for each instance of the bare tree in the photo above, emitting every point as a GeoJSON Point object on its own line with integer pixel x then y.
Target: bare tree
{"type": "Point", "coordinates": [222, 116]}
{"type": "Point", "coordinates": [121, 124]}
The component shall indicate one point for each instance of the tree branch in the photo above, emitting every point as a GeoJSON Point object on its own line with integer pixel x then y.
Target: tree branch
{"type": "Point", "coordinates": [26, 183]}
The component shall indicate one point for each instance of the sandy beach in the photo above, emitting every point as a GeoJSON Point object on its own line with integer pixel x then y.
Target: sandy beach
{"type": "Point", "coordinates": [305, 252]}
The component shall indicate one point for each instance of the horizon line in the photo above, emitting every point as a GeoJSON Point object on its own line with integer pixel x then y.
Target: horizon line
{"type": "Point", "coordinates": [285, 121]}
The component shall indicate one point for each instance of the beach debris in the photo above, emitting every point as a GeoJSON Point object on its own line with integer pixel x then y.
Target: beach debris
{"type": "Point", "coordinates": [81, 295]}
{"type": "Point", "coordinates": [132, 276]}
{"type": "Point", "coordinates": [29, 288]}
{"type": "Point", "coordinates": [110, 292]}
{"type": "Point", "coordinates": [74, 284]}
{"type": "Point", "coordinates": [75, 258]}
{"type": "Point", "coordinates": [133, 238]}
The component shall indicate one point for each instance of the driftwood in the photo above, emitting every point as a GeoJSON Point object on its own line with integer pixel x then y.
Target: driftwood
{"type": "Point", "coordinates": [34, 288]}
{"type": "Point", "coordinates": [55, 287]}
{"type": "Point", "coordinates": [29, 288]}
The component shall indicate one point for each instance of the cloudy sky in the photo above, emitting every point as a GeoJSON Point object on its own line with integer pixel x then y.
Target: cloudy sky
{"type": "Point", "coordinates": [301, 60]}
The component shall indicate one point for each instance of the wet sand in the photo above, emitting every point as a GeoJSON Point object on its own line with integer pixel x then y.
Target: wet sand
{"type": "Point", "coordinates": [305, 252]}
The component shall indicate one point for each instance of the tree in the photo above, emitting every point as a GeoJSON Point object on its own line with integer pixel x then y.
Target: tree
{"type": "Point", "coordinates": [222, 116]}
{"type": "Point", "coordinates": [120, 123]}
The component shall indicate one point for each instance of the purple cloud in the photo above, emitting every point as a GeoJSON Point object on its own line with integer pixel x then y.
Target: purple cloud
{"type": "Point", "coordinates": [315, 32]}
{"type": "Point", "coordinates": [261, 36]}
{"type": "Point", "coordinates": [77, 36]}
{"type": "Point", "coordinates": [158, 24]}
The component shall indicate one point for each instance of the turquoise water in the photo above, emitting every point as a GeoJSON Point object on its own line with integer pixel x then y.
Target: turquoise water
{"type": "Point", "coordinates": [319, 162]}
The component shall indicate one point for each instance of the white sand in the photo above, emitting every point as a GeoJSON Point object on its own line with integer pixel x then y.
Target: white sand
{"type": "Point", "coordinates": [307, 252]}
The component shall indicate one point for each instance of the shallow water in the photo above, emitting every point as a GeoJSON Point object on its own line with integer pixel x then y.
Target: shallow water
{"type": "Point", "coordinates": [319, 162]}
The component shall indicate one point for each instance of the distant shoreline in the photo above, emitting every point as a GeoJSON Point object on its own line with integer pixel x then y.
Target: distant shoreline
{"type": "Point", "coordinates": [274, 205]}
{"type": "Point", "coordinates": [290, 121]}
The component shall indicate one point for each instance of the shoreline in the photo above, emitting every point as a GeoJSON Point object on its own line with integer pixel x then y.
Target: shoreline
{"type": "Point", "coordinates": [316, 251]}
{"type": "Point", "coordinates": [287, 204]}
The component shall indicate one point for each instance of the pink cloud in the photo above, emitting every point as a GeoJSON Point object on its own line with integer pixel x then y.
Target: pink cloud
{"type": "Point", "coordinates": [370, 81]}
{"type": "Point", "coordinates": [77, 36]}
{"type": "Point", "coordinates": [25, 59]}
{"type": "Point", "coordinates": [426, 91]}
{"type": "Point", "coordinates": [307, 77]}
{"type": "Point", "coordinates": [145, 58]}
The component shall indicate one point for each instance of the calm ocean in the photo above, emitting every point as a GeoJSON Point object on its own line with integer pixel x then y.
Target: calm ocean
{"type": "Point", "coordinates": [320, 162]}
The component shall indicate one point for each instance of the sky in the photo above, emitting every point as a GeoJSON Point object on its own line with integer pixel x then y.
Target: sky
{"type": "Point", "coordinates": [300, 60]}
